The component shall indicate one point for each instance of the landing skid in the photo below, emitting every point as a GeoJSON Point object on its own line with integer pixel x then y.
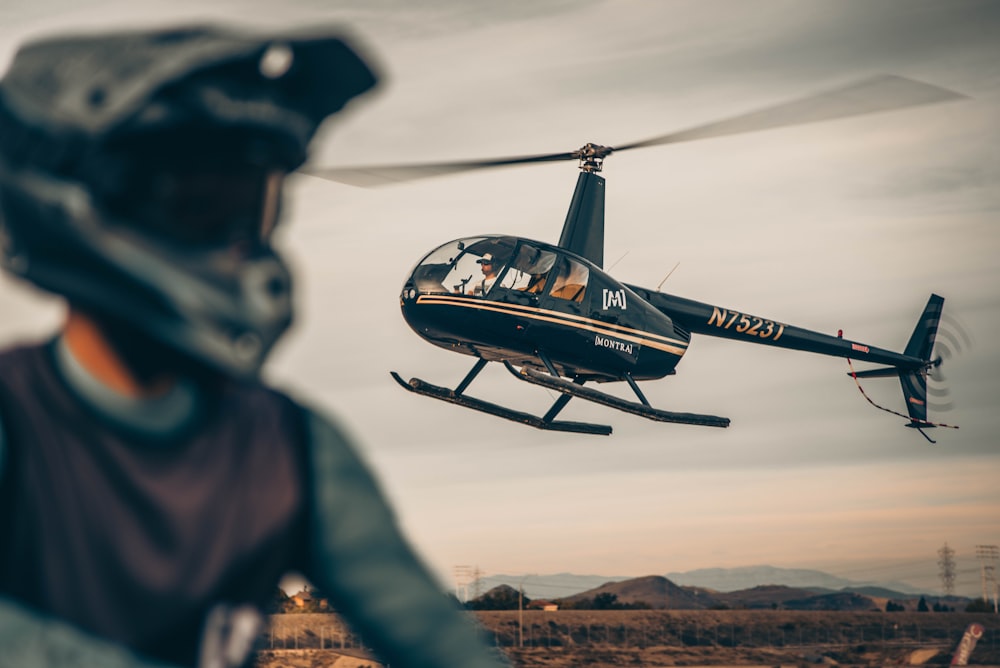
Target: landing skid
{"type": "Point", "coordinates": [456, 397]}
{"type": "Point", "coordinates": [641, 409]}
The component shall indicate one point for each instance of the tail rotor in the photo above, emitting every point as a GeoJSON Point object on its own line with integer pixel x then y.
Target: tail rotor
{"type": "Point", "coordinates": [953, 340]}
{"type": "Point", "coordinates": [918, 394]}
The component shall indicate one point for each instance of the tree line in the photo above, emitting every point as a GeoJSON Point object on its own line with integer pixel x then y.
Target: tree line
{"type": "Point", "coordinates": [505, 597]}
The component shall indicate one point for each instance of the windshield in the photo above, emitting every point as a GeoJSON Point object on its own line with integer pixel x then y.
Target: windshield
{"type": "Point", "coordinates": [465, 266]}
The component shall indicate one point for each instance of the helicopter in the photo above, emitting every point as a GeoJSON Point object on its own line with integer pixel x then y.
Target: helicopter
{"type": "Point", "coordinates": [554, 317]}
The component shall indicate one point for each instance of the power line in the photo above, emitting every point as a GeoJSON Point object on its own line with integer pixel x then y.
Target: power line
{"type": "Point", "coordinates": [946, 563]}
{"type": "Point", "coordinates": [988, 555]}
{"type": "Point", "coordinates": [463, 576]}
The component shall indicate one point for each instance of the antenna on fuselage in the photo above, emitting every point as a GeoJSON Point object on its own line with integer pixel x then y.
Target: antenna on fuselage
{"type": "Point", "coordinates": [667, 276]}
{"type": "Point", "coordinates": [617, 261]}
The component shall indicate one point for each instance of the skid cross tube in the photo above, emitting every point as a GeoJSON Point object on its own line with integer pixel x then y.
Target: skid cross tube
{"type": "Point", "coordinates": [469, 377]}
{"type": "Point", "coordinates": [547, 362]}
{"type": "Point", "coordinates": [561, 402]}
{"type": "Point", "coordinates": [635, 388]}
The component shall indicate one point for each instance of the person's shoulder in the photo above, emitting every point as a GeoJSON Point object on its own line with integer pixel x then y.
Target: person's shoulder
{"type": "Point", "coordinates": [332, 445]}
{"type": "Point", "coordinates": [256, 398]}
{"type": "Point", "coordinates": [321, 425]}
{"type": "Point", "coordinates": [324, 429]}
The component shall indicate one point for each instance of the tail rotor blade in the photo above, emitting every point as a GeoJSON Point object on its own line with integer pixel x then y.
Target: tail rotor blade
{"type": "Point", "coordinates": [952, 340]}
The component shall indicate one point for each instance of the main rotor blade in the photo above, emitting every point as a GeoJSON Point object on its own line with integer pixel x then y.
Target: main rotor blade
{"type": "Point", "coordinates": [871, 95]}
{"type": "Point", "coordinates": [384, 174]}
{"type": "Point", "coordinates": [874, 94]}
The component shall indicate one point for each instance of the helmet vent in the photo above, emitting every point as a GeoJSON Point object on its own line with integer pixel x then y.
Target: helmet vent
{"type": "Point", "coordinates": [97, 97]}
{"type": "Point", "coordinates": [247, 345]}
{"type": "Point", "coordinates": [276, 61]}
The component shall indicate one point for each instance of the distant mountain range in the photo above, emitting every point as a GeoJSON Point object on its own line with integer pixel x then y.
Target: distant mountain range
{"type": "Point", "coordinates": [734, 579]}
{"type": "Point", "coordinates": [662, 593]}
{"type": "Point", "coordinates": [659, 593]}
{"type": "Point", "coordinates": [562, 585]}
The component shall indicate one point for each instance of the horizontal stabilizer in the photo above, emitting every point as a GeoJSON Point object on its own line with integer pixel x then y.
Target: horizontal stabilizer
{"type": "Point", "coordinates": [884, 372]}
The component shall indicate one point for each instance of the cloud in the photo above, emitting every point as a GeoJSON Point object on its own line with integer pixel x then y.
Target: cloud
{"type": "Point", "coordinates": [849, 224]}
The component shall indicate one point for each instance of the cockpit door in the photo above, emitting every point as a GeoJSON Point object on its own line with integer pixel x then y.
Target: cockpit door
{"type": "Point", "coordinates": [526, 276]}
{"type": "Point", "coordinates": [568, 289]}
{"type": "Point", "coordinates": [519, 287]}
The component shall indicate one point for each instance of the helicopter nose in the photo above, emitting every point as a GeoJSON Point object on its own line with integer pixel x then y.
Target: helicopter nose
{"type": "Point", "coordinates": [409, 293]}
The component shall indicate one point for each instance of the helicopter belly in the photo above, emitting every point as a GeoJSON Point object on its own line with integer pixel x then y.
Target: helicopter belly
{"type": "Point", "coordinates": [465, 325]}
{"type": "Point", "coordinates": [517, 332]}
{"type": "Point", "coordinates": [594, 348]}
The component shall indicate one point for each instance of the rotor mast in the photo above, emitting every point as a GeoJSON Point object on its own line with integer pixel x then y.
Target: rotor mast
{"type": "Point", "coordinates": [583, 231]}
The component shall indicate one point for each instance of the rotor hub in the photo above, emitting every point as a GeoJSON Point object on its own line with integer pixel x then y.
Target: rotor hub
{"type": "Point", "coordinates": [592, 156]}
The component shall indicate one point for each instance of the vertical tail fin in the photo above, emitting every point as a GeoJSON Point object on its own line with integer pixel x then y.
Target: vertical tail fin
{"type": "Point", "coordinates": [912, 372]}
{"type": "Point", "coordinates": [914, 382]}
{"type": "Point", "coordinates": [915, 392]}
{"type": "Point", "coordinates": [922, 340]}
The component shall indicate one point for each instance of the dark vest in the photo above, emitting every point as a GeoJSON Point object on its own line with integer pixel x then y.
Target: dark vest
{"type": "Point", "coordinates": [134, 540]}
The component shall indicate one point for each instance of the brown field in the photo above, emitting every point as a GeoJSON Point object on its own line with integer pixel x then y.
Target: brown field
{"type": "Point", "coordinates": [566, 638]}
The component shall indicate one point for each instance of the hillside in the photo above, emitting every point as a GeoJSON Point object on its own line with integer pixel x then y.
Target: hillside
{"type": "Point", "coordinates": [659, 593]}
{"type": "Point", "coordinates": [562, 585]}
{"type": "Point", "coordinates": [655, 591]}
{"type": "Point", "coordinates": [762, 597]}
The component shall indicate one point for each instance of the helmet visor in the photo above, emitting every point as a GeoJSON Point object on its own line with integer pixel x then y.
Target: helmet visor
{"type": "Point", "coordinates": [203, 206]}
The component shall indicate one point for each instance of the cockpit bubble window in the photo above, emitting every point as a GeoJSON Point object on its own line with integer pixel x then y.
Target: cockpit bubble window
{"type": "Point", "coordinates": [465, 266]}
{"type": "Point", "coordinates": [434, 274]}
{"type": "Point", "coordinates": [529, 269]}
{"type": "Point", "coordinates": [571, 279]}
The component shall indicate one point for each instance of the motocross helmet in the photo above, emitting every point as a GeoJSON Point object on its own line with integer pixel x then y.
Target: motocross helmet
{"type": "Point", "coordinates": [141, 172]}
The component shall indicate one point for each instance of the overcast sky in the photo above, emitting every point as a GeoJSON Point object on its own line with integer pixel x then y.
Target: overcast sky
{"type": "Point", "coordinates": [848, 224]}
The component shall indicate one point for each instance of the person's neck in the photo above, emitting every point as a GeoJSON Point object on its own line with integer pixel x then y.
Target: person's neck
{"type": "Point", "coordinates": [92, 349]}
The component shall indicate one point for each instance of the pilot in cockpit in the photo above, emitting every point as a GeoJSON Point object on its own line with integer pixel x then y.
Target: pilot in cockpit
{"type": "Point", "coordinates": [489, 268]}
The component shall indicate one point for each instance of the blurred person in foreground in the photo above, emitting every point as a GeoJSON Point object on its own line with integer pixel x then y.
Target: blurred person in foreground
{"type": "Point", "coordinates": [152, 490]}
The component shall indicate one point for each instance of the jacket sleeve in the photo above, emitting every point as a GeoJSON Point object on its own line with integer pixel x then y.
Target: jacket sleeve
{"type": "Point", "coordinates": [376, 581]}
{"type": "Point", "coordinates": [29, 640]}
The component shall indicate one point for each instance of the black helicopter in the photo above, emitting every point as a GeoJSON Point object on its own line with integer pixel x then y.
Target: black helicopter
{"type": "Point", "coordinates": [553, 317]}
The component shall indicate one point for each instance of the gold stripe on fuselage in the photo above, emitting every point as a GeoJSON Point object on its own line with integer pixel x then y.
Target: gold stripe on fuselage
{"type": "Point", "coordinates": [666, 344]}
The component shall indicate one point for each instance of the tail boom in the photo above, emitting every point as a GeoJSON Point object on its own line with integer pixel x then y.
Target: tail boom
{"type": "Point", "coordinates": [911, 366]}
{"type": "Point", "coordinates": [710, 320]}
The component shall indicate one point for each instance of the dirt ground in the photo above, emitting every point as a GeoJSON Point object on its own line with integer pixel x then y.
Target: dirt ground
{"type": "Point", "coordinates": [605, 639]}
